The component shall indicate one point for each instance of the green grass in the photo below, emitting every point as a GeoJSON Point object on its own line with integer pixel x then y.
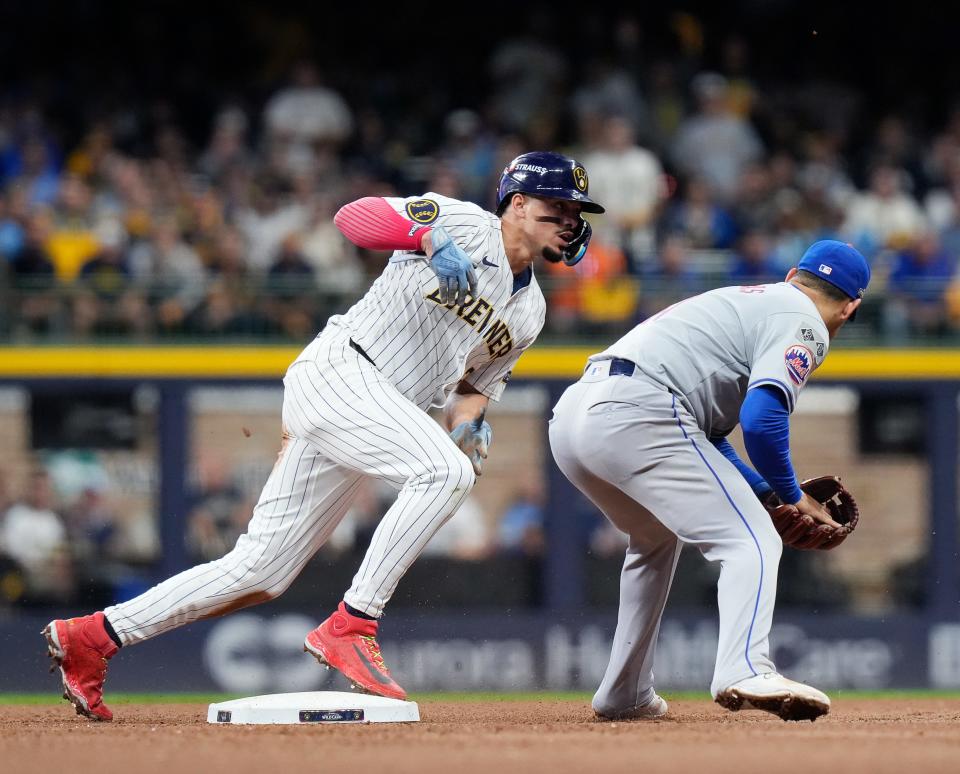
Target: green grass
{"type": "Point", "coordinates": [208, 698]}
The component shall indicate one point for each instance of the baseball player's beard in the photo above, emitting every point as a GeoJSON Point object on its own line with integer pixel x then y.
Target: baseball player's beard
{"type": "Point", "coordinates": [551, 255]}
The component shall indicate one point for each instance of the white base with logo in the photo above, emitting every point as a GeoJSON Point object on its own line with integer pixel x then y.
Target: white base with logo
{"type": "Point", "coordinates": [313, 707]}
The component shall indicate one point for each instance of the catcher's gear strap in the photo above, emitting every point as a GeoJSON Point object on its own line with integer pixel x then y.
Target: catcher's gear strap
{"type": "Point", "coordinates": [373, 224]}
{"type": "Point", "coordinates": [766, 436]}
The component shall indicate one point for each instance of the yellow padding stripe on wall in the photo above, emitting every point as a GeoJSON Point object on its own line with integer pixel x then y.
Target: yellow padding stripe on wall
{"type": "Point", "coordinates": [271, 362]}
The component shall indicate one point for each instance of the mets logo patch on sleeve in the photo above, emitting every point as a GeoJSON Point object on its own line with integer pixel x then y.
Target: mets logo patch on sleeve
{"type": "Point", "coordinates": [798, 360]}
{"type": "Point", "coordinates": [423, 210]}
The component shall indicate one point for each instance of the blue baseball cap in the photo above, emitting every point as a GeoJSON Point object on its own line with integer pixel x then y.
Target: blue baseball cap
{"type": "Point", "coordinates": [838, 263]}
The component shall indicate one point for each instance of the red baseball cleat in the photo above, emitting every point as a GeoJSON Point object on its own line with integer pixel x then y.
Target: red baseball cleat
{"type": "Point", "coordinates": [349, 644]}
{"type": "Point", "coordinates": [81, 647]}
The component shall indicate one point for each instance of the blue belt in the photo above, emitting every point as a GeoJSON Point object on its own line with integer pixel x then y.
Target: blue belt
{"type": "Point", "coordinates": [619, 366]}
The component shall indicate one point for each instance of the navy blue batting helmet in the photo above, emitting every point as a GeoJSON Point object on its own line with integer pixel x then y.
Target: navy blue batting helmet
{"type": "Point", "coordinates": [551, 175]}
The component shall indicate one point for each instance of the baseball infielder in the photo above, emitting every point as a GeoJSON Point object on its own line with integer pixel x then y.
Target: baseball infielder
{"type": "Point", "coordinates": [643, 435]}
{"type": "Point", "coordinates": [444, 325]}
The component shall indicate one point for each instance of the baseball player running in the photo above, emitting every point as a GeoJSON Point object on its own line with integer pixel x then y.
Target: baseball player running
{"type": "Point", "coordinates": [643, 435]}
{"type": "Point", "coordinates": [443, 325]}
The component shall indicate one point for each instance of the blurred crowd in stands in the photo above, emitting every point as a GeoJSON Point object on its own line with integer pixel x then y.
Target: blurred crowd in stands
{"type": "Point", "coordinates": [137, 228]}
{"type": "Point", "coordinates": [63, 545]}
{"type": "Point", "coordinates": [65, 537]}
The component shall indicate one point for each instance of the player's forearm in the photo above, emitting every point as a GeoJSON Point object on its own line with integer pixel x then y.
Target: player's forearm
{"type": "Point", "coordinates": [757, 482]}
{"type": "Point", "coordinates": [766, 435]}
{"type": "Point", "coordinates": [373, 224]}
{"type": "Point", "coordinates": [463, 407]}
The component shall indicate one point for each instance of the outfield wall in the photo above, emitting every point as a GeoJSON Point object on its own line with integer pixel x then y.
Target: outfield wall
{"type": "Point", "coordinates": [564, 644]}
{"type": "Point", "coordinates": [253, 652]}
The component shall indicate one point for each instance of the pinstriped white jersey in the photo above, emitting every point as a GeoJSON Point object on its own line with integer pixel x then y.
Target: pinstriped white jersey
{"type": "Point", "coordinates": [425, 348]}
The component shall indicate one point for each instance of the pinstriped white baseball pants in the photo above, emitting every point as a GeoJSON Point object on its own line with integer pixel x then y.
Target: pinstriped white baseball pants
{"type": "Point", "coordinates": [343, 420]}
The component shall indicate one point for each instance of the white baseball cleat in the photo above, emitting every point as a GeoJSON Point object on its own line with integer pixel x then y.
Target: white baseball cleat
{"type": "Point", "coordinates": [772, 692]}
{"type": "Point", "coordinates": [655, 708]}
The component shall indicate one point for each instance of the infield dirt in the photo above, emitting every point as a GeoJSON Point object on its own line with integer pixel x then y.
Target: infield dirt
{"type": "Point", "coordinates": [493, 737]}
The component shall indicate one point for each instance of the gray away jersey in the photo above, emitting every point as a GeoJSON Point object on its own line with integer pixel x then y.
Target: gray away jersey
{"type": "Point", "coordinates": [710, 349]}
{"type": "Point", "coordinates": [425, 348]}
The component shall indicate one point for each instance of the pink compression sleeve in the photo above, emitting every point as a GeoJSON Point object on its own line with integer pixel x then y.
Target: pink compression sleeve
{"type": "Point", "coordinates": [373, 224]}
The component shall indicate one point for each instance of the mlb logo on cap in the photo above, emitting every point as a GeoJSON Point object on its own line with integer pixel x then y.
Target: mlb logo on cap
{"type": "Point", "coordinates": [838, 263]}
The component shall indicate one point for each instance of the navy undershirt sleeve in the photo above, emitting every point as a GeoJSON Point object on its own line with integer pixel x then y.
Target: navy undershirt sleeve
{"type": "Point", "coordinates": [765, 420]}
{"type": "Point", "coordinates": [756, 481]}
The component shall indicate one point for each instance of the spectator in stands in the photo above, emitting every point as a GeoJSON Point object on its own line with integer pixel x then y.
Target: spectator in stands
{"type": "Point", "coordinates": [942, 207]}
{"type": "Point", "coordinates": [673, 277]}
{"type": "Point", "coordinates": [230, 305]}
{"type": "Point", "coordinates": [34, 535]}
{"type": "Point", "coordinates": [742, 93]}
{"type": "Point", "coordinates": [12, 583]}
{"type": "Point", "coordinates": [6, 498]}
{"type": "Point", "coordinates": [37, 171]}
{"type": "Point", "coordinates": [218, 513]}
{"type": "Point", "coordinates": [608, 89]}
{"type": "Point", "coordinates": [521, 529]}
{"type": "Point", "coordinates": [72, 240]}
{"type": "Point", "coordinates": [753, 261]}
{"type": "Point", "coordinates": [916, 286]}
{"type": "Point", "coordinates": [943, 151]}
{"type": "Point", "coordinates": [667, 103]}
{"type": "Point", "coordinates": [307, 122]}
{"type": "Point", "coordinates": [715, 143]}
{"type": "Point", "coordinates": [445, 181]}
{"type": "Point", "coordinates": [176, 275]}
{"type": "Point", "coordinates": [883, 217]}
{"type": "Point", "coordinates": [631, 179]}
{"type": "Point", "coordinates": [12, 219]}
{"type": "Point", "coordinates": [706, 224]}
{"type": "Point", "coordinates": [597, 295]}
{"type": "Point", "coordinates": [92, 527]}
{"type": "Point", "coordinates": [290, 290]}
{"type": "Point", "coordinates": [799, 220]}
{"type": "Point", "coordinates": [468, 151]}
{"type": "Point", "coordinates": [466, 536]}
{"type": "Point", "coordinates": [894, 144]}
{"type": "Point", "coordinates": [37, 303]}
{"type": "Point", "coordinates": [106, 300]}
{"type": "Point", "coordinates": [271, 217]}
{"type": "Point", "coordinates": [91, 159]}
{"type": "Point", "coordinates": [529, 74]}
{"type": "Point", "coordinates": [227, 148]}
{"type": "Point", "coordinates": [334, 258]}
{"type": "Point", "coordinates": [754, 206]}
{"type": "Point", "coordinates": [823, 174]}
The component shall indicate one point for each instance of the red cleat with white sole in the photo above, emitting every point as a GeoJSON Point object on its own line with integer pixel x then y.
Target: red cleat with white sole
{"type": "Point", "coordinates": [81, 647]}
{"type": "Point", "coordinates": [349, 644]}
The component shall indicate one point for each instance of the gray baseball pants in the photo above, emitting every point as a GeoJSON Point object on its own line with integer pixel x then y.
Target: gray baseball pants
{"type": "Point", "coordinates": [629, 445]}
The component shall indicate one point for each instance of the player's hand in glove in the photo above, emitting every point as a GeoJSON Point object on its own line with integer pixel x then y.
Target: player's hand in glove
{"type": "Point", "coordinates": [474, 438]}
{"type": "Point", "coordinates": [822, 519]}
{"type": "Point", "coordinates": [452, 267]}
